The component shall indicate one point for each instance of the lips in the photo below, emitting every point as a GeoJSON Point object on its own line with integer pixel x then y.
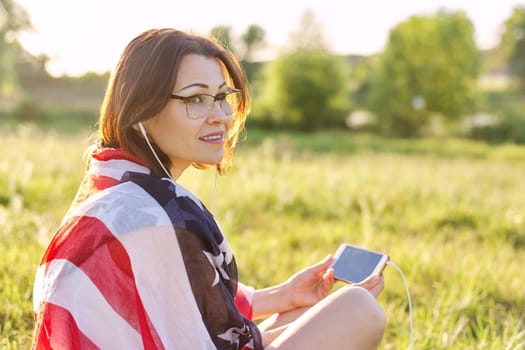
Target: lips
{"type": "Point", "coordinates": [216, 137]}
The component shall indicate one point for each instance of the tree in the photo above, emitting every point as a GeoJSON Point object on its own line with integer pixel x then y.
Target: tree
{"type": "Point", "coordinates": [224, 35]}
{"type": "Point", "coordinates": [252, 39]}
{"type": "Point", "coordinates": [429, 68]}
{"type": "Point", "coordinates": [513, 42]}
{"type": "Point", "coordinates": [242, 48]}
{"type": "Point", "coordinates": [306, 86]}
{"type": "Point", "coordinates": [13, 19]}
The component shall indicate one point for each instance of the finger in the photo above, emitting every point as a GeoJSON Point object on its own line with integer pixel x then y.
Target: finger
{"type": "Point", "coordinates": [323, 264]}
{"type": "Point", "coordinates": [329, 273]}
{"type": "Point", "coordinates": [370, 282]}
{"type": "Point", "coordinates": [328, 279]}
{"type": "Point", "coordinates": [325, 285]}
{"type": "Point", "coordinates": [378, 288]}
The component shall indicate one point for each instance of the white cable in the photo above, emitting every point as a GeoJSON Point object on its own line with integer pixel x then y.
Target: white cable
{"type": "Point", "coordinates": [143, 131]}
{"type": "Point", "coordinates": [214, 190]}
{"type": "Point", "coordinates": [411, 344]}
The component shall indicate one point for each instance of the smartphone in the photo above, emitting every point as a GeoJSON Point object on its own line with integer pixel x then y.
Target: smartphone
{"type": "Point", "coordinates": [354, 264]}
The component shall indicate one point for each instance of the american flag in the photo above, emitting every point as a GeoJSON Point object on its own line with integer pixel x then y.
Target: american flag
{"type": "Point", "coordinates": [139, 263]}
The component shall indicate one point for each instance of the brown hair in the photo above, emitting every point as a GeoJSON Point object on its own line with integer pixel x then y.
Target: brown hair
{"type": "Point", "coordinates": [142, 82]}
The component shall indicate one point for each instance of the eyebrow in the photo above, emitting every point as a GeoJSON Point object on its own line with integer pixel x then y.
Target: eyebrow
{"type": "Point", "coordinates": [200, 85]}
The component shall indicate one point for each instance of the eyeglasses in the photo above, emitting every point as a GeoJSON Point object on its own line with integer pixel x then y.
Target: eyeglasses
{"type": "Point", "coordinates": [200, 105]}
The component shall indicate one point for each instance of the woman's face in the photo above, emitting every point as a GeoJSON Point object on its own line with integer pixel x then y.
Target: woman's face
{"type": "Point", "coordinates": [185, 140]}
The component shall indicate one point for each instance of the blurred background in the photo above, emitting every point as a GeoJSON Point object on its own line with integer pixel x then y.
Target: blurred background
{"type": "Point", "coordinates": [415, 68]}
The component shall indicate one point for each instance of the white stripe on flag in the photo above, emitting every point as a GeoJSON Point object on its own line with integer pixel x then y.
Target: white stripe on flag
{"type": "Point", "coordinates": [147, 234]}
{"type": "Point", "coordinates": [115, 168]}
{"type": "Point", "coordinates": [74, 291]}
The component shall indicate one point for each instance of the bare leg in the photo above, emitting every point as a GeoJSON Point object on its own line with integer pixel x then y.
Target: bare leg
{"type": "Point", "coordinates": [274, 325]}
{"type": "Point", "coordinates": [349, 318]}
{"type": "Point", "coordinates": [282, 319]}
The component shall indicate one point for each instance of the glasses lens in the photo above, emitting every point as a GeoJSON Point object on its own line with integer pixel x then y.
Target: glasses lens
{"type": "Point", "coordinates": [199, 106]}
{"type": "Point", "coordinates": [231, 102]}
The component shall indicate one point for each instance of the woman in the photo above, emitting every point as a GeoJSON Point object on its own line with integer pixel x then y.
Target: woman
{"type": "Point", "coordinates": [139, 262]}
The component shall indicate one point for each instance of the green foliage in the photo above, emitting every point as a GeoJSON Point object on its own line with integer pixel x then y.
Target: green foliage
{"type": "Point", "coordinates": [305, 87]}
{"type": "Point", "coordinates": [59, 118]}
{"type": "Point", "coordinates": [297, 92]}
{"type": "Point", "coordinates": [13, 19]}
{"type": "Point", "coordinates": [70, 119]}
{"type": "Point", "coordinates": [39, 174]}
{"type": "Point", "coordinates": [360, 78]}
{"type": "Point", "coordinates": [252, 39]}
{"type": "Point", "coordinates": [513, 41]}
{"type": "Point", "coordinates": [508, 108]}
{"type": "Point", "coordinates": [243, 47]}
{"type": "Point", "coordinates": [224, 35]}
{"type": "Point", "coordinates": [429, 68]}
{"type": "Point", "coordinates": [340, 143]}
{"type": "Point", "coordinates": [68, 104]}
{"type": "Point", "coordinates": [8, 81]}
{"type": "Point", "coordinates": [28, 110]}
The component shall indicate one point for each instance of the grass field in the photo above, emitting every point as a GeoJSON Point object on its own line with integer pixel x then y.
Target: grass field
{"type": "Point", "coordinates": [450, 213]}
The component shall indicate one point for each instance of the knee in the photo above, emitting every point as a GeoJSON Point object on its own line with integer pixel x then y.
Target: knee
{"type": "Point", "coordinates": [362, 306]}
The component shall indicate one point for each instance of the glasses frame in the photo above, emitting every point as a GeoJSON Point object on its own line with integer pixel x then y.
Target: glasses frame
{"type": "Point", "coordinates": [221, 97]}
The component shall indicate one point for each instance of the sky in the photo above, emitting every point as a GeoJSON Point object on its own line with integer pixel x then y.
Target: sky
{"type": "Point", "coordinates": [81, 35]}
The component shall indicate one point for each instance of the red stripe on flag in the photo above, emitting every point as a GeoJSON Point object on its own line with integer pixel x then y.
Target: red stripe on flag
{"type": "Point", "coordinates": [87, 243]}
{"type": "Point", "coordinates": [91, 185]}
{"type": "Point", "coordinates": [116, 153]}
{"type": "Point", "coordinates": [242, 303]}
{"type": "Point", "coordinates": [101, 182]}
{"type": "Point", "coordinates": [56, 328]}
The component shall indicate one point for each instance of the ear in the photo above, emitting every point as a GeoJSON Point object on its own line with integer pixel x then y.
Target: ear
{"type": "Point", "coordinates": [139, 127]}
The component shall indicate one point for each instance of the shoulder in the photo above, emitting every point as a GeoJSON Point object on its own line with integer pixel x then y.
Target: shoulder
{"type": "Point", "coordinates": [142, 206]}
{"type": "Point", "coordinates": [182, 207]}
{"type": "Point", "coordinates": [163, 190]}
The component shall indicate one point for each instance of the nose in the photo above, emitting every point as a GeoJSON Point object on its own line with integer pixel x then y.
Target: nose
{"type": "Point", "coordinates": [217, 114]}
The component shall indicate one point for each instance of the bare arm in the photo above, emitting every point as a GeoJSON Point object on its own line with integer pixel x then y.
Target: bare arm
{"type": "Point", "coordinates": [305, 288]}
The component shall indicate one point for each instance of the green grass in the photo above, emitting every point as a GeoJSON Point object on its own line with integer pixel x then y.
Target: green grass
{"type": "Point", "coordinates": [450, 213]}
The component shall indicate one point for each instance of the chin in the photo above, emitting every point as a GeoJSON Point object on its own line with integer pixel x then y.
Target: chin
{"type": "Point", "coordinates": [210, 162]}
{"type": "Point", "coordinates": [217, 159]}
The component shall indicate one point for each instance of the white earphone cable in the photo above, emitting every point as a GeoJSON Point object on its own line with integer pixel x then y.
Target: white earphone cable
{"type": "Point", "coordinates": [143, 131]}
{"type": "Point", "coordinates": [411, 344]}
{"type": "Point", "coordinates": [214, 191]}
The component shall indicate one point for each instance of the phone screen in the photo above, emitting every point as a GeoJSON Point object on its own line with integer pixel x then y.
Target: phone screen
{"type": "Point", "coordinates": [353, 264]}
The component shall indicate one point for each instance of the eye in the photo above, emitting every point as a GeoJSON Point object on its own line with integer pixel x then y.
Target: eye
{"type": "Point", "coordinates": [195, 99]}
{"type": "Point", "coordinates": [221, 96]}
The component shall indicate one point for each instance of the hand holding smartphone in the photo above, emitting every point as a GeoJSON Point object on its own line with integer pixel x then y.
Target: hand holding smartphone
{"type": "Point", "coordinates": [354, 264]}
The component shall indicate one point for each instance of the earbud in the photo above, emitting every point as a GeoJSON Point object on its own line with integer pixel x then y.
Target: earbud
{"type": "Point", "coordinates": [142, 129]}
